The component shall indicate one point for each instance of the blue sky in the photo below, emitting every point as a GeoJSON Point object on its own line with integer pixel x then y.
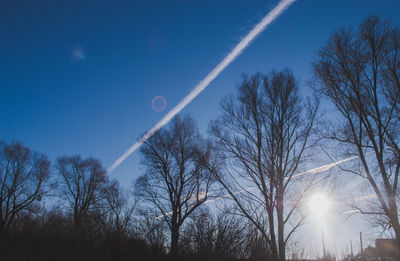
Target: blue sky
{"type": "Point", "coordinates": [135, 50]}
{"type": "Point", "coordinates": [98, 102]}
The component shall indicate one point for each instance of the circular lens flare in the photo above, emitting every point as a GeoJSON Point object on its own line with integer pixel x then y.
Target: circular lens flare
{"type": "Point", "coordinates": [158, 103]}
{"type": "Point", "coordinates": [318, 205]}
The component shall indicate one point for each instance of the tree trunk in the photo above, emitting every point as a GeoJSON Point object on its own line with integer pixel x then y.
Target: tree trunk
{"type": "Point", "coordinates": [394, 218]}
{"type": "Point", "coordinates": [279, 213]}
{"type": "Point", "coordinates": [396, 227]}
{"type": "Point", "coordinates": [273, 246]}
{"type": "Point", "coordinates": [174, 240]}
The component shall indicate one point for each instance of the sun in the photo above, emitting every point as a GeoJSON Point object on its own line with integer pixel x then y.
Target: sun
{"type": "Point", "coordinates": [318, 205]}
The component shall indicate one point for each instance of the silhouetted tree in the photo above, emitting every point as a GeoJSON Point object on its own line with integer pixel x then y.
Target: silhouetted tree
{"type": "Point", "coordinates": [359, 72]}
{"type": "Point", "coordinates": [24, 177]}
{"type": "Point", "coordinates": [153, 231]}
{"type": "Point", "coordinates": [256, 247]}
{"type": "Point", "coordinates": [116, 210]}
{"type": "Point", "coordinates": [230, 238]}
{"type": "Point", "coordinates": [263, 135]}
{"type": "Point", "coordinates": [297, 249]}
{"type": "Point", "coordinates": [198, 234]}
{"type": "Point", "coordinates": [177, 180]}
{"type": "Point", "coordinates": [82, 182]}
{"type": "Point", "coordinates": [220, 238]}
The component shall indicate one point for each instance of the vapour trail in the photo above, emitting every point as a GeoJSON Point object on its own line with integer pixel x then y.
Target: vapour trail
{"type": "Point", "coordinates": [268, 19]}
{"type": "Point", "coordinates": [316, 170]}
{"type": "Point", "coordinates": [328, 166]}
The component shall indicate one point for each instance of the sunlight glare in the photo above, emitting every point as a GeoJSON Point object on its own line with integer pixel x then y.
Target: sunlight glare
{"type": "Point", "coordinates": [318, 205]}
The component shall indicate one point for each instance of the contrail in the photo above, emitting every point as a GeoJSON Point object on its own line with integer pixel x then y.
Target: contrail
{"type": "Point", "coordinates": [326, 167]}
{"type": "Point", "coordinates": [268, 19]}
{"type": "Point", "coordinates": [329, 166]}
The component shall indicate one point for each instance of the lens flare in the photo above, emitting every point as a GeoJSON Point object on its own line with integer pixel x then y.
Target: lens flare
{"type": "Point", "coordinates": [158, 103]}
{"type": "Point", "coordinates": [78, 54]}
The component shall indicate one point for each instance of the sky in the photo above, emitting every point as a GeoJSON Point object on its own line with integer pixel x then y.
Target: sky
{"type": "Point", "coordinates": [79, 77]}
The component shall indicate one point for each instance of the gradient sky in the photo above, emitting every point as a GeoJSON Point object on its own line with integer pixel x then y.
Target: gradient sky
{"type": "Point", "coordinates": [78, 77]}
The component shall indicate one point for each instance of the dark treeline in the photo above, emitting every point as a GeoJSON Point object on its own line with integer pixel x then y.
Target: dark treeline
{"type": "Point", "coordinates": [262, 138]}
{"type": "Point", "coordinates": [89, 217]}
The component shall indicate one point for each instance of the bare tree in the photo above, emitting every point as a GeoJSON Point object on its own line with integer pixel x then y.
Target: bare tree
{"type": "Point", "coordinates": [230, 236]}
{"type": "Point", "coordinates": [263, 135]}
{"type": "Point", "coordinates": [24, 177]}
{"type": "Point", "coordinates": [297, 249]}
{"type": "Point", "coordinates": [256, 246]}
{"type": "Point", "coordinates": [390, 69]}
{"type": "Point", "coordinates": [359, 72]}
{"type": "Point", "coordinates": [117, 209]}
{"type": "Point", "coordinates": [153, 231]}
{"type": "Point", "coordinates": [177, 180]}
{"type": "Point", "coordinates": [82, 183]}
{"type": "Point", "coordinates": [223, 237]}
{"type": "Point", "coordinates": [199, 234]}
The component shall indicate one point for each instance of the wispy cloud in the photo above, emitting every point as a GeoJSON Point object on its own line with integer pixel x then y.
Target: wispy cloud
{"type": "Point", "coordinates": [258, 28]}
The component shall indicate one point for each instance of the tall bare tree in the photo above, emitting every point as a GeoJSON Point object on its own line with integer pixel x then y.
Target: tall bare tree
{"type": "Point", "coordinates": [263, 135]}
{"type": "Point", "coordinates": [359, 72]}
{"type": "Point", "coordinates": [82, 183]}
{"type": "Point", "coordinates": [177, 179]}
{"type": "Point", "coordinates": [24, 177]}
